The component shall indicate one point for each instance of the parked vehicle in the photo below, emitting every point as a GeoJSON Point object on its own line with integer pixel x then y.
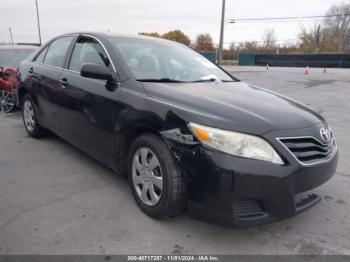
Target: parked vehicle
{"type": "Point", "coordinates": [10, 56]}
{"type": "Point", "coordinates": [187, 133]}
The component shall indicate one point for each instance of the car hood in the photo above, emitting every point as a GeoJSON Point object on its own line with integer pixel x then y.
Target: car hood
{"type": "Point", "coordinates": [234, 106]}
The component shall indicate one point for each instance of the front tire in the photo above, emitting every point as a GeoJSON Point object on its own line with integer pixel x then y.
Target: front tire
{"type": "Point", "coordinates": [156, 181]}
{"type": "Point", "coordinates": [30, 119]}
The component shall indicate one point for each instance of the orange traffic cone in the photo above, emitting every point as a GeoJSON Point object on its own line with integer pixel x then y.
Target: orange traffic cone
{"type": "Point", "coordinates": [325, 70]}
{"type": "Point", "coordinates": [306, 72]}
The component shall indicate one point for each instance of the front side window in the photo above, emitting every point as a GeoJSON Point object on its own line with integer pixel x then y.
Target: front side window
{"type": "Point", "coordinates": [87, 50]}
{"type": "Point", "coordinates": [57, 51]}
{"type": "Point", "coordinates": [150, 60]}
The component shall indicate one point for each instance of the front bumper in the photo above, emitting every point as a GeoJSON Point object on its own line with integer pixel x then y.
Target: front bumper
{"type": "Point", "coordinates": [238, 192]}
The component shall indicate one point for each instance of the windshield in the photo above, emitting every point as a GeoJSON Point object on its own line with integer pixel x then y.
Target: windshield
{"type": "Point", "coordinates": [12, 57]}
{"type": "Point", "coordinates": [167, 62]}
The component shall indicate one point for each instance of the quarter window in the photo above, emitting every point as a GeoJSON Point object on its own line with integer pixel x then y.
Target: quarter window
{"type": "Point", "coordinates": [41, 56]}
{"type": "Point", "coordinates": [87, 50]}
{"type": "Point", "coordinates": [57, 51]}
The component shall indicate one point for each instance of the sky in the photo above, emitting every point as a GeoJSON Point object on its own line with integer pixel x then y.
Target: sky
{"type": "Point", "coordinates": [132, 16]}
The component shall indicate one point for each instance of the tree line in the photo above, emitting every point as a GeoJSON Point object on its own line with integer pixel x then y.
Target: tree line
{"type": "Point", "coordinates": [331, 35]}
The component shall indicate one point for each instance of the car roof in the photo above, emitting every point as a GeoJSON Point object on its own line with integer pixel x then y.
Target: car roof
{"type": "Point", "coordinates": [121, 36]}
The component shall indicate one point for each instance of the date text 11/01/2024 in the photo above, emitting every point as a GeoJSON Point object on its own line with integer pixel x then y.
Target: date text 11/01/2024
{"type": "Point", "coordinates": [174, 258]}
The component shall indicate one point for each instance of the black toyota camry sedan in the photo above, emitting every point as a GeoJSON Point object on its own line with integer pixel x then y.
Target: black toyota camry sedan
{"type": "Point", "coordinates": [188, 135]}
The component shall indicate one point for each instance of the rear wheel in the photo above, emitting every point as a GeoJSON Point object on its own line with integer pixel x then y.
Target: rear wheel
{"type": "Point", "coordinates": [30, 119]}
{"type": "Point", "coordinates": [7, 101]}
{"type": "Point", "coordinates": [157, 184]}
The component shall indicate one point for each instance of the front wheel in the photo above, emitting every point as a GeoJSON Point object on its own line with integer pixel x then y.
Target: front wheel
{"type": "Point", "coordinates": [155, 179]}
{"type": "Point", "coordinates": [30, 119]}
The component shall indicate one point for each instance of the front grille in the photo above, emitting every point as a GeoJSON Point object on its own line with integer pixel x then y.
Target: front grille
{"type": "Point", "coordinates": [309, 150]}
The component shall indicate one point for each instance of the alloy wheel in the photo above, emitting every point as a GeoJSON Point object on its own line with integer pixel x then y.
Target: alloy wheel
{"type": "Point", "coordinates": [28, 115]}
{"type": "Point", "coordinates": [7, 101]}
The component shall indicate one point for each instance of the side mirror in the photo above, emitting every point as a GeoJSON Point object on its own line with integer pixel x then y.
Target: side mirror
{"type": "Point", "coordinates": [96, 71]}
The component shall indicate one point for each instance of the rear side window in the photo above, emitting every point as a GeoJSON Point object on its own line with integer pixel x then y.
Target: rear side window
{"type": "Point", "coordinates": [41, 56]}
{"type": "Point", "coordinates": [57, 51]}
{"type": "Point", "coordinates": [87, 50]}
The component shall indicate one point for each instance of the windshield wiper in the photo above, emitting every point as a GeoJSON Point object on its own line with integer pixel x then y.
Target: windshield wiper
{"type": "Point", "coordinates": [170, 80]}
{"type": "Point", "coordinates": [204, 80]}
{"type": "Point", "coordinates": [211, 80]}
{"type": "Point", "coordinates": [160, 80]}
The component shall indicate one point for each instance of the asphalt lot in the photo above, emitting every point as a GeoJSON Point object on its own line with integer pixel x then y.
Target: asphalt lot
{"type": "Point", "coordinates": [56, 200]}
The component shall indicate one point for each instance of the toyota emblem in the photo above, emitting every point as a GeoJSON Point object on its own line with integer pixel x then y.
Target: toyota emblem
{"type": "Point", "coordinates": [325, 134]}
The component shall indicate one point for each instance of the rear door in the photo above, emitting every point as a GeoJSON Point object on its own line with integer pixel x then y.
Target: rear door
{"type": "Point", "coordinates": [45, 71]}
{"type": "Point", "coordinates": [89, 111]}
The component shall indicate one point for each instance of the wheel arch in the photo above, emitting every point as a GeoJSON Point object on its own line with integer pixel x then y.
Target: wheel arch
{"type": "Point", "coordinates": [22, 91]}
{"type": "Point", "coordinates": [126, 138]}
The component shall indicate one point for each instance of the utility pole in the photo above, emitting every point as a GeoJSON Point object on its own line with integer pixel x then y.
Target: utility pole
{"type": "Point", "coordinates": [37, 17]}
{"type": "Point", "coordinates": [11, 35]}
{"type": "Point", "coordinates": [318, 39]}
{"type": "Point", "coordinates": [221, 44]}
{"type": "Point", "coordinates": [343, 42]}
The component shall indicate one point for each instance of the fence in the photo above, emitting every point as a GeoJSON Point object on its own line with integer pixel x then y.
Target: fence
{"type": "Point", "coordinates": [209, 55]}
{"type": "Point", "coordinates": [314, 60]}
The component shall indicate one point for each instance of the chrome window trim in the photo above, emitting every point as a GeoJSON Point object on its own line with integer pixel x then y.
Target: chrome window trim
{"type": "Point", "coordinates": [328, 159]}
{"type": "Point", "coordinates": [72, 71]}
{"type": "Point", "coordinates": [87, 35]}
{"type": "Point", "coordinates": [56, 67]}
{"type": "Point", "coordinates": [48, 47]}
{"type": "Point", "coordinates": [78, 74]}
{"type": "Point", "coordinates": [104, 48]}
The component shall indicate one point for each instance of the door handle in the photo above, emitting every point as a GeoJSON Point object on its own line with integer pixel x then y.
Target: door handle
{"type": "Point", "coordinates": [64, 82]}
{"type": "Point", "coordinates": [33, 76]}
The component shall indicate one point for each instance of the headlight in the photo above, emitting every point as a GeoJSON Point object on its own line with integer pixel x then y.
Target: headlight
{"type": "Point", "coordinates": [237, 144]}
